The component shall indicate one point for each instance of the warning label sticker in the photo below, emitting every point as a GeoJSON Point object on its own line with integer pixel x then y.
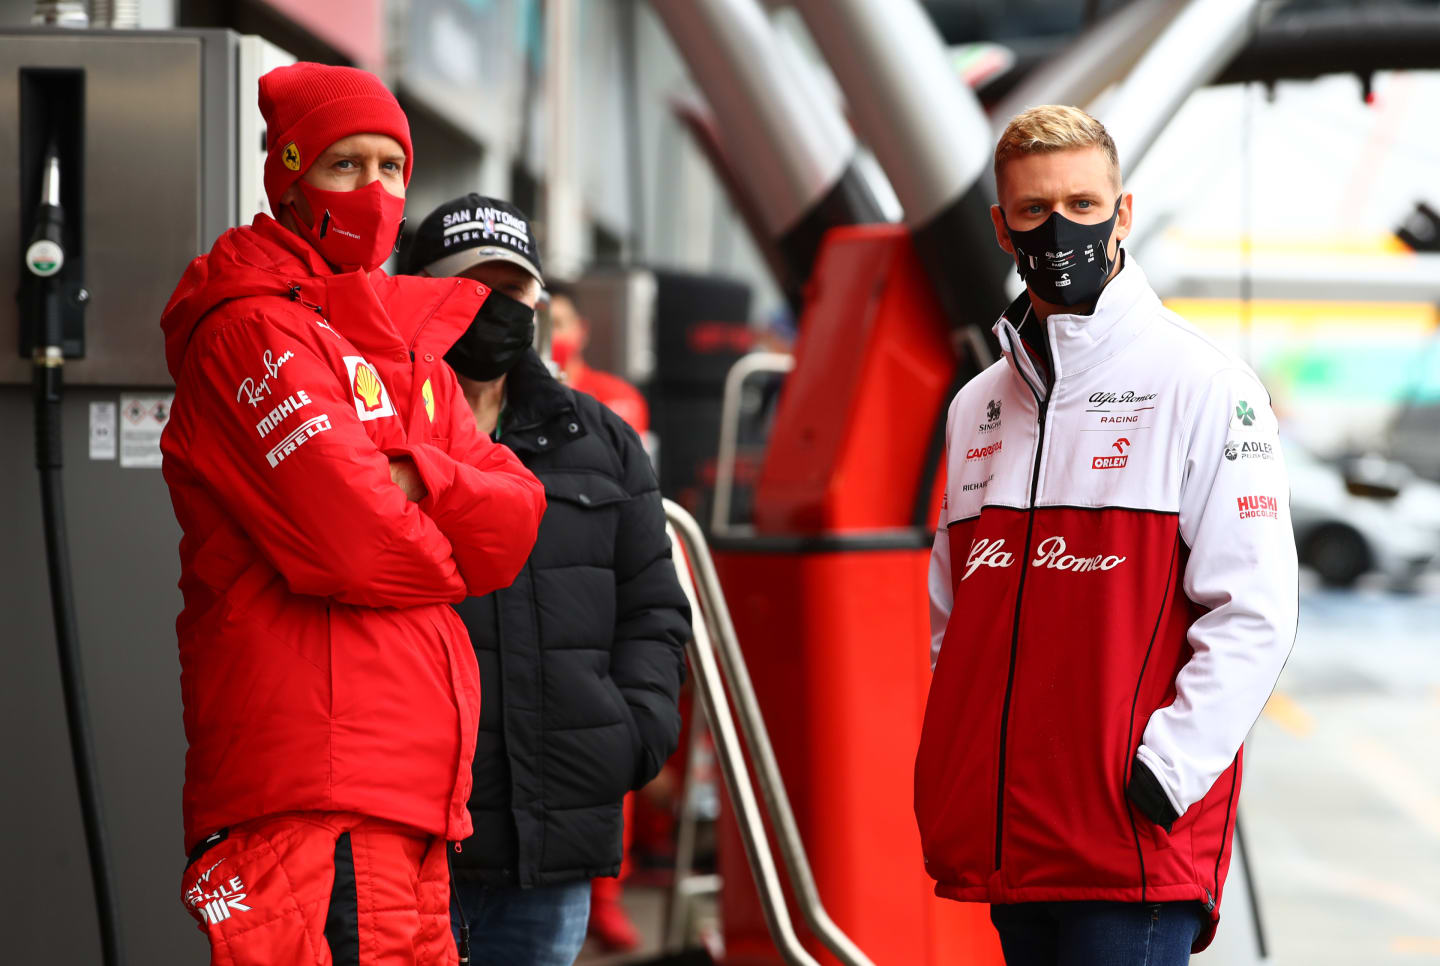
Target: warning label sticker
{"type": "Point", "coordinates": [102, 430]}
{"type": "Point", "coordinates": [142, 419]}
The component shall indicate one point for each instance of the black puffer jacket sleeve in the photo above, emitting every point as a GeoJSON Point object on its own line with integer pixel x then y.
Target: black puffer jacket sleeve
{"type": "Point", "coordinates": [647, 660]}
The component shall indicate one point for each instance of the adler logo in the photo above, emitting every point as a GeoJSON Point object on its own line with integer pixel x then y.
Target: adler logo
{"type": "Point", "coordinates": [983, 452]}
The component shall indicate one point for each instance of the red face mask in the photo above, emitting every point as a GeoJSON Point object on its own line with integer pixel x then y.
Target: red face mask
{"type": "Point", "coordinates": [353, 229]}
{"type": "Point", "coordinates": [564, 347]}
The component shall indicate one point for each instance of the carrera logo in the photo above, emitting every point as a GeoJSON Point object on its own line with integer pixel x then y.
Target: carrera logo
{"type": "Point", "coordinates": [1258, 507]}
{"type": "Point", "coordinates": [1050, 554]}
{"type": "Point", "coordinates": [371, 399]}
{"type": "Point", "coordinates": [984, 452]}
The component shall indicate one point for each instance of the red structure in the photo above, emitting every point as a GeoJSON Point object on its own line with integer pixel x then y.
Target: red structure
{"type": "Point", "coordinates": [830, 605]}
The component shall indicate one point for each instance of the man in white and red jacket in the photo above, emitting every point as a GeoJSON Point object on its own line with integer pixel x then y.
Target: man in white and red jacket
{"type": "Point", "coordinates": [336, 500]}
{"type": "Point", "coordinates": [1112, 587]}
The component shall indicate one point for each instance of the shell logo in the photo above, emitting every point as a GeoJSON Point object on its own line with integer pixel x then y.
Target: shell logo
{"type": "Point", "coordinates": [428, 394]}
{"type": "Point", "coordinates": [367, 387]}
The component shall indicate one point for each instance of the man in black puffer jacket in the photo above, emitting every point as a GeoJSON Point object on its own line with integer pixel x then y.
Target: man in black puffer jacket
{"type": "Point", "coordinates": [581, 659]}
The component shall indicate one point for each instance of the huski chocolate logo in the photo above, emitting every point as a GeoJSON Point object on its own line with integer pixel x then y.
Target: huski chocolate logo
{"type": "Point", "coordinates": [1258, 507]}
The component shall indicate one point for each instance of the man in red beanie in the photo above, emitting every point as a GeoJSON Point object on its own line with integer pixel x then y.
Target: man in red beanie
{"type": "Point", "coordinates": [335, 499]}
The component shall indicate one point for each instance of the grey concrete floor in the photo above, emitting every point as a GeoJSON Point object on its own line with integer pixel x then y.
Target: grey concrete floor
{"type": "Point", "coordinates": [1341, 800]}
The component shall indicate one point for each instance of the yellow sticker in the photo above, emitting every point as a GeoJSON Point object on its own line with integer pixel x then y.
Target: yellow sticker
{"type": "Point", "coordinates": [291, 156]}
{"type": "Point", "coordinates": [428, 394]}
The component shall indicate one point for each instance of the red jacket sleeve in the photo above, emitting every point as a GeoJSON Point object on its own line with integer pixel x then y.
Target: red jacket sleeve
{"type": "Point", "coordinates": [314, 493]}
{"type": "Point", "coordinates": [480, 495]}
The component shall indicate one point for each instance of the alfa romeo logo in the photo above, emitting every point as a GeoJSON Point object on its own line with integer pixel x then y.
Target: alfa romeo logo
{"type": "Point", "coordinates": [1245, 414]}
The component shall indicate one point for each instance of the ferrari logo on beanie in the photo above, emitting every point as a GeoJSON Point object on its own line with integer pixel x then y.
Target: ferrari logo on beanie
{"type": "Point", "coordinates": [308, 107]}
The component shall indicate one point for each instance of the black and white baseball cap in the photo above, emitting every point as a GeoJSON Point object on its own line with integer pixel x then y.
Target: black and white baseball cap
{"type": "Point", "coordinates": [468, 231]}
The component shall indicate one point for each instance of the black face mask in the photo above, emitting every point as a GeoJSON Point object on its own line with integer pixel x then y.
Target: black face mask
{"type": "Point", "coordinates": [1064, 262]}
{"type": "Point", "coordinates": [496, 341]}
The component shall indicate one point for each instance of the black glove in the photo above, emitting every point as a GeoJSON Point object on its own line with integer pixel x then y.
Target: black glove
{"type": "Point", "coordinates": [1145, 792]}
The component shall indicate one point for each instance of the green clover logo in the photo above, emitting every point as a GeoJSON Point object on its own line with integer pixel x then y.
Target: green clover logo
{"type": "Point", "coordinates": [1245, 414]}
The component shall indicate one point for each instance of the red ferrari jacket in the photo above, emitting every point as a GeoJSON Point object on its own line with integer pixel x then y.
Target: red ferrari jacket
{"type": "Point", "coordinates": [321, 664]}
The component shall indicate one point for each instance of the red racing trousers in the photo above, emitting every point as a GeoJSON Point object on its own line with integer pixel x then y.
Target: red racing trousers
{"type": "Point", "coordinates": [321, 889]}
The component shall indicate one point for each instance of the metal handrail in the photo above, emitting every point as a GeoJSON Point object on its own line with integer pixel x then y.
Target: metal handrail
{"type": "Point", "coordinates": [716, 627]}
{"type": "Point", "coordinates": [744, 367]}
{"type": "Point", "coordinates": [686, 885]}
{"type": "Point", "coordinates": [737, 777]}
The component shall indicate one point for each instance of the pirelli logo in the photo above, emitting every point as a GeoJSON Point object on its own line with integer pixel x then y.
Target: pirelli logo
{"type": "Point", "coordinates": [304, 432]}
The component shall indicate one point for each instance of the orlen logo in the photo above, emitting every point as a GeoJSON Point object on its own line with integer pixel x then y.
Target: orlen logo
{"type": "Point", "coordinates": [1049, 554]}
{"type": "Point", "coordinates": [1262, 507]}
{"type": "Point", "coordinates": [984, 452]}
{"type": "Point", "coordinates": [1112, 462]}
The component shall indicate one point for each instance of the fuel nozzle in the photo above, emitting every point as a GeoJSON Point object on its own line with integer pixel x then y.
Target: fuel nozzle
{"type": "Point", "coordinates": [45, 255]}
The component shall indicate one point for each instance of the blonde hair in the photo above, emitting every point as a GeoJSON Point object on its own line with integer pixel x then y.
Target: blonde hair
{"type": "Point", "coordinates": [1054, 127]}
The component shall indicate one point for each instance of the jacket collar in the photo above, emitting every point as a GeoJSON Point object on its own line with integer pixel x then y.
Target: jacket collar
{"type": "Point", "coordinates": [1078, 342]}
{"type": "Point", "coordinates": [532, 396]}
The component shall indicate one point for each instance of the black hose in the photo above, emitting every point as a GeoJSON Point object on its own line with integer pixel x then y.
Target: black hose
{"type": "Point", "coordinates": [49, 459]}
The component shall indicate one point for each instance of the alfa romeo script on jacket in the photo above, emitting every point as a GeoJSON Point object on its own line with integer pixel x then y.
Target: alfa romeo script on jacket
{"type": "Point", "coordinates": [1114, 575]}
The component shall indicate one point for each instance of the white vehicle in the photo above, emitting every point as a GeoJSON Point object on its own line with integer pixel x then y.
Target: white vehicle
{"type": "Point", "coordinates": [1375, 515]}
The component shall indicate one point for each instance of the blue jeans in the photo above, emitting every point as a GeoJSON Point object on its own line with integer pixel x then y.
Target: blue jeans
{"type": "Point", "coordinates": [510, 926]}
{"type": "Point", "coordinates": [1097, 933]}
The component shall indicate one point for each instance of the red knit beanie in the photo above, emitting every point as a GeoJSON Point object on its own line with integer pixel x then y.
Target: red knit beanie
{"type": "Point", "coordinates": [308, 107]}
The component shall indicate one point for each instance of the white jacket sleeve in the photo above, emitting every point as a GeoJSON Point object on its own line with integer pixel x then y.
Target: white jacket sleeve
{"type": "Point", "coordinates": [941, 596]}
{"type": "Point", "coordinates": [1235, 519]}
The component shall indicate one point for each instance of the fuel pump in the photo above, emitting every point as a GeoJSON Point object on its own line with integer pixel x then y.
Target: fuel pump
{"type": "Point", "coordinates": [52, 301]}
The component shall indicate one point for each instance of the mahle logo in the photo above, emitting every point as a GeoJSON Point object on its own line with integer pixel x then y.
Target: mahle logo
{"type": "Point", "coordinates": [1245, 414]}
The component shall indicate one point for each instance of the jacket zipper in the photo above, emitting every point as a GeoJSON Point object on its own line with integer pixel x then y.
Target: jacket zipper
{"type": "Point", "coordinates": [1044, 405]}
